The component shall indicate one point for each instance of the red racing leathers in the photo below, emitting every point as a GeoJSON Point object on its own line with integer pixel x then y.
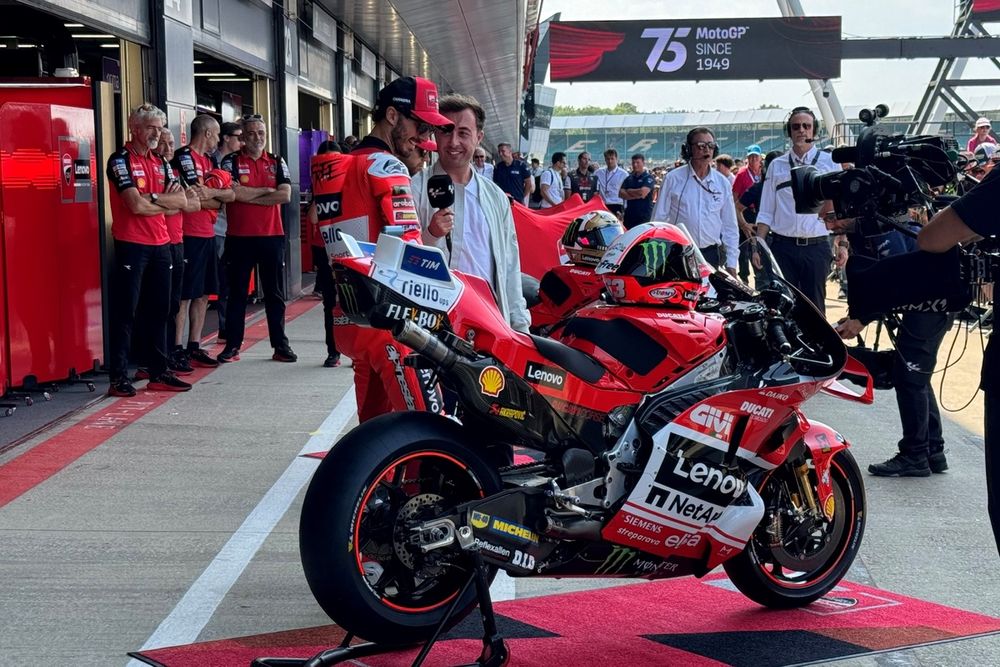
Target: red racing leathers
{"type": "Point", "coordinates": [360, 194]}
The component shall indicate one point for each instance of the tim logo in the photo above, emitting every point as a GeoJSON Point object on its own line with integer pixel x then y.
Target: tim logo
{"type": "Point", "coordinates": [715, 420]}
{"type": "Point", "coordinates": [328, 206]}
{"type": "Point", "coordinates": [665, 44]}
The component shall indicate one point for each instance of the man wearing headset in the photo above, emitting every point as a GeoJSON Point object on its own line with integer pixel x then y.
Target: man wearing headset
{"type": "Point", "coordinates": [800, 242]}
{"type": "Point", "coordinates": [701, 199]}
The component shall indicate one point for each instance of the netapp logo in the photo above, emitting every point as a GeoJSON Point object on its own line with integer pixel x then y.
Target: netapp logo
{"type": "Point", "coordinates": [545, 375]}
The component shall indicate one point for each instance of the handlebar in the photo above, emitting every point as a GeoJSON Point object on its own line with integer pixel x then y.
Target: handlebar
{"type": "Point", "coordinates": [777, 337]}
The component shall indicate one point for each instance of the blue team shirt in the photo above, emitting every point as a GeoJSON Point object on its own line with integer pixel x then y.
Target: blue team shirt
{"type": "Point", "coordinates": [511, 179]}
{"type": "Point", "coordinates": [638, 211]}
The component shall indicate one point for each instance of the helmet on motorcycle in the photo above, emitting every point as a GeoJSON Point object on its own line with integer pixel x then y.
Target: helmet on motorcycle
{"type": "Point", "coordinates": [653, 263]}
{"type": "Point", "coordinates": [587, 237]}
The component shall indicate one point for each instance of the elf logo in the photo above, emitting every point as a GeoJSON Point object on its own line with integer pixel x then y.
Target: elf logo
{"type": "Point", "coordinates": [328, 206]}
{"type": "Point", "coordinates": [546, 376]}
{"type": "Point", "coordinates": [719, 422]}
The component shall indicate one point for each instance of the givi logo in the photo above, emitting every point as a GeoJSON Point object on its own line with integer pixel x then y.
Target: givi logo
{"type": "Point", "coordinates": [714, 419]}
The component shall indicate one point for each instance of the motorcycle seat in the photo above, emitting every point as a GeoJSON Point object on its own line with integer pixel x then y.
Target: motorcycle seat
{"type": "Point", "coordinates": [576, 362]}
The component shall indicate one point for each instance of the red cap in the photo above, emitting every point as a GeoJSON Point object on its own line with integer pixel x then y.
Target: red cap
{"type": "Point", "coordinates": [428, 145]}
{"type": "Point", "coordinates": [414, 96]}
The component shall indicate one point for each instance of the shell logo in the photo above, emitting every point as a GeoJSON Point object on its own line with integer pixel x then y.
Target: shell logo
{"type": "Point", "coordinates": [829, 506]}
{"type": "Point", "coordinates": [141, 182]}
{"type": "Point", "coordinates": [491, 381]}
{"type": "Point", "coordinates": [244, 179]}
{"type": "Point", "coordinates": [480, 520]}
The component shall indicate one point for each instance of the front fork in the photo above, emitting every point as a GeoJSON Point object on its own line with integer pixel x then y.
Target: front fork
{"type": "Point", "coordinates": [822, 443]}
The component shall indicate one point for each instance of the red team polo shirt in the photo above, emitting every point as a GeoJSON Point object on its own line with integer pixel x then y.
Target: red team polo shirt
{"type": "Point", "coordinates": [268, 171]}
{"type": "Point", "coordinates": [148, 173]}
{"type": "Point", "coordinates": [192, 166]}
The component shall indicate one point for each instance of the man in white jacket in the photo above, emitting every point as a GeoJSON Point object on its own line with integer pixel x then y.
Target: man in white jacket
{"type": "Point", "coordinates": [477, 235]}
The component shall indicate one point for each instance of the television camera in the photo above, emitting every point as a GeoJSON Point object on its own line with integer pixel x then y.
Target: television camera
{"type": "Point", "coordinates": [891, 173]}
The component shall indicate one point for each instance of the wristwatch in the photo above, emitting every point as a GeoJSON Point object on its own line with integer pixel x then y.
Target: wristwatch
{"type": "Point", "coordinates": [153, 197]}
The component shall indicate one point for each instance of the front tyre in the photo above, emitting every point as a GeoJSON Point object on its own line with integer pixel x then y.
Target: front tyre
{"type": "Point", "coordinates": [383, 476]}
{"type": "Point", "coordinates": [793, 558]}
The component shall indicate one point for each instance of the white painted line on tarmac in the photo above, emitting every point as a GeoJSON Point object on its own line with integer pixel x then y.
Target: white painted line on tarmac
{"type": "Point", "coordinates": [502, 587]}
{"type": "Point", "coordinates": [196, 608]}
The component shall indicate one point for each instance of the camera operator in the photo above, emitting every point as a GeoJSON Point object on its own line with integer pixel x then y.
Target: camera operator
{"type": "Point", "coordinates": [921, 449]}
{"type": "Point", "coordinates": [971, 217]}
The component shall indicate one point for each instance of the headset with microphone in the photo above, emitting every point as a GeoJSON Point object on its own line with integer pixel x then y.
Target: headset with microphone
{"type": "Point", "coordinates": [686, 154]}
{"type": "Point", "coordinates": [815, 123]}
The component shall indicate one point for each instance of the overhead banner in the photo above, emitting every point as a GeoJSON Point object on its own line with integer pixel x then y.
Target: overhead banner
{"type": "Point", "coordinates": [986, 10]}
{"type": "Point", "coordinates": [696, 49]}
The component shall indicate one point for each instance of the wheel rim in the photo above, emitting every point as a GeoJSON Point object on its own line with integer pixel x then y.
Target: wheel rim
{"type": "Point", "coordinates": [410, 489]}
{"type": "Point", "coordinates": [808, 554]}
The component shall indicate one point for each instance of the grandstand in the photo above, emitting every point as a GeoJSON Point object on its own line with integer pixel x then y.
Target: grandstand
{"type": "Point", "coordinates": [660, 135]}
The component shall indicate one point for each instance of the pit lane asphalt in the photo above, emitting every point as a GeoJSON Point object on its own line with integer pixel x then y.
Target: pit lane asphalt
{"type": "Point", "coordinates": [94, 559]}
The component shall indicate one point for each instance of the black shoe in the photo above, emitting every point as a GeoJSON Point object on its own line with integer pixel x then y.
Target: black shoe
{"type": "Point", "coordinates": [284, 354]}
{"type": "Point", "coordinates": [199, 357]}
{"type": "Point", "coordinates": [332, 361]}
{"type": "Point", "coordinates": [168, 382]}
{"type": "Point", "coordinates": [901, 465]}
{"type": "Point", "coordinates": [121, 387]}
{"type": "Point", "coordinates": [229, 354]}
{"type": "Point", "coordinates": [178, 363]}
{"type": "Point", "coordinates": [140, 374]}
{"type": "Point", "coordinates": [937, 462]}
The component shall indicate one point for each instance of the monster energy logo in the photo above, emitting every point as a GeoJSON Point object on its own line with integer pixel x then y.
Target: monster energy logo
{"type": "Point", "coordinates": [348, 299]}
{"type": "Point", "coordinates": [654, 254]}
{"type": "Point", "coordinates": [617, 560]}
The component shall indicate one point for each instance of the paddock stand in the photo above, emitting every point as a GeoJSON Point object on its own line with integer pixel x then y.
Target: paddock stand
{"type": "Point", "coordinates": [495, 651]}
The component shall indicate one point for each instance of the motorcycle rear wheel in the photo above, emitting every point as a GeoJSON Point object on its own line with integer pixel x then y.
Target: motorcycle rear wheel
{"type": "Point", "coordinates": [391, 471]}
{"type": "Point", "coordinates": [802, 563]}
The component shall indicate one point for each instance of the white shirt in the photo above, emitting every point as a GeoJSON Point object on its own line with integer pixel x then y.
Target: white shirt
{"type": "Point", "coordinates": [486, 171]}
{"type": "Point", "coordinates": [475, 256]}
{"type": "Point", "coordinates": [554, 180]}
{"type": "Point", "coordinates": [777, 207]}
{"type": "Point", "coordinates": [705, 207]}
{"type": "Point", "coordinates": [609, 184]}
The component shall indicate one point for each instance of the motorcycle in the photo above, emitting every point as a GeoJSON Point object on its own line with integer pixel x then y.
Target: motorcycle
{"type": "Point", "coordinates": [669, 442]}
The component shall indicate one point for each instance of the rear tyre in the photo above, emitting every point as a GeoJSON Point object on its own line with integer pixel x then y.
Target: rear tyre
{"type": "Point", "coordinates": [385, 474]}
{"type": "Point", "coordinates": [792, 559]}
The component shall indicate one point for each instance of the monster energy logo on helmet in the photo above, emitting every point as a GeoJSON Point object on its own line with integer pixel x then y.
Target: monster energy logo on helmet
{"type": "Point", "coordinates": [654, 255]}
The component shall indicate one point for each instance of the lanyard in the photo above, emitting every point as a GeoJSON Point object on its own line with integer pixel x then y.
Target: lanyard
{"type": "Point", "coordinates": [791, 164]}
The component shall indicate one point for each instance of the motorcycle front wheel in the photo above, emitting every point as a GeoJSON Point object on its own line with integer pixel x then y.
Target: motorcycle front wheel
{"type": "Point", "coordinates": [354, 540]}
{"type": "Point", "coordinates": [794, 558]}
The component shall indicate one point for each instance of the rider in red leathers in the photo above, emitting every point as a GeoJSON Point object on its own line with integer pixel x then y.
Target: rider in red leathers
{"type": "Point", "coordinates": [360, 194]}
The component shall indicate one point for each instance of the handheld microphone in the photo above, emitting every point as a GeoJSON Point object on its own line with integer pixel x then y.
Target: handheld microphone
{"type": "Point", "coordinates": [441, 195]}
{"type": "Point", "coordinates": [811, 140]}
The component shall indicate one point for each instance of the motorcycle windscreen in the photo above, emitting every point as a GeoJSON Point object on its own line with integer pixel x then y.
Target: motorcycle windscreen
{"type": "Point", "coordinates": [417, 273]}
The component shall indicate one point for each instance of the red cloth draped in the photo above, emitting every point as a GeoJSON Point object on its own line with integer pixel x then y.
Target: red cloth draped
{"type": "Point", "coordinates": [539, 232]}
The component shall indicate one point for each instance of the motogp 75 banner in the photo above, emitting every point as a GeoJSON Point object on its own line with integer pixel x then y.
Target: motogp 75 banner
{"type": "Point", "coordinates": [696, 49]}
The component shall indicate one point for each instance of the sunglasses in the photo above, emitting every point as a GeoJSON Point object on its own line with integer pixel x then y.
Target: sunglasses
{"type": "Point", "coordinates": [422, 127]}
{"type": "Point", "coordinates": [252, 116]}
{"type": "Point", "coordinates": [801, 126]}
{"type": "Point", "coordinates": [701, 145]}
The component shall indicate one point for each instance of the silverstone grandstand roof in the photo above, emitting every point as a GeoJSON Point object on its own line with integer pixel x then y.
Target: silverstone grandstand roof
{"type": "Point", "coordinates": [713, 118]}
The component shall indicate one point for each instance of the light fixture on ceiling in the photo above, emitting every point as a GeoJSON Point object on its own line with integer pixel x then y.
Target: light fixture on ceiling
{"type": "Point", "coordinates": [27, 46]}
{"type": "Point", "coordinates": [207, 74]}
{"type": "Point", "coordinates": [73, 25]}
{"type": "Point", "coordinates": [227, 80]}
{"type": "Point", "coordinates": [199, 62]}
{"type": "Point", "coordinates": [110, 46]}
{"type": "Point", "coordinates": [94, 36]}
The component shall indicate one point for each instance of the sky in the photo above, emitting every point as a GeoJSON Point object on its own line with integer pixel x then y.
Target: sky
{"type": "Point", "coordinates": [862, 82]}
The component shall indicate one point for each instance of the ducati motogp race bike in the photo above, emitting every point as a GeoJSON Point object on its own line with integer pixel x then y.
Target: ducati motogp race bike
{"type": "Point", "coordinates": [665, 442]}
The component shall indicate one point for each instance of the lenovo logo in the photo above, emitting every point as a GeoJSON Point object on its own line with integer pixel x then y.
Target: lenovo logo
{"type": "Point", "coordinates": [544, 375]}
{"type": "Point", "coordinates": [328, 206]}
